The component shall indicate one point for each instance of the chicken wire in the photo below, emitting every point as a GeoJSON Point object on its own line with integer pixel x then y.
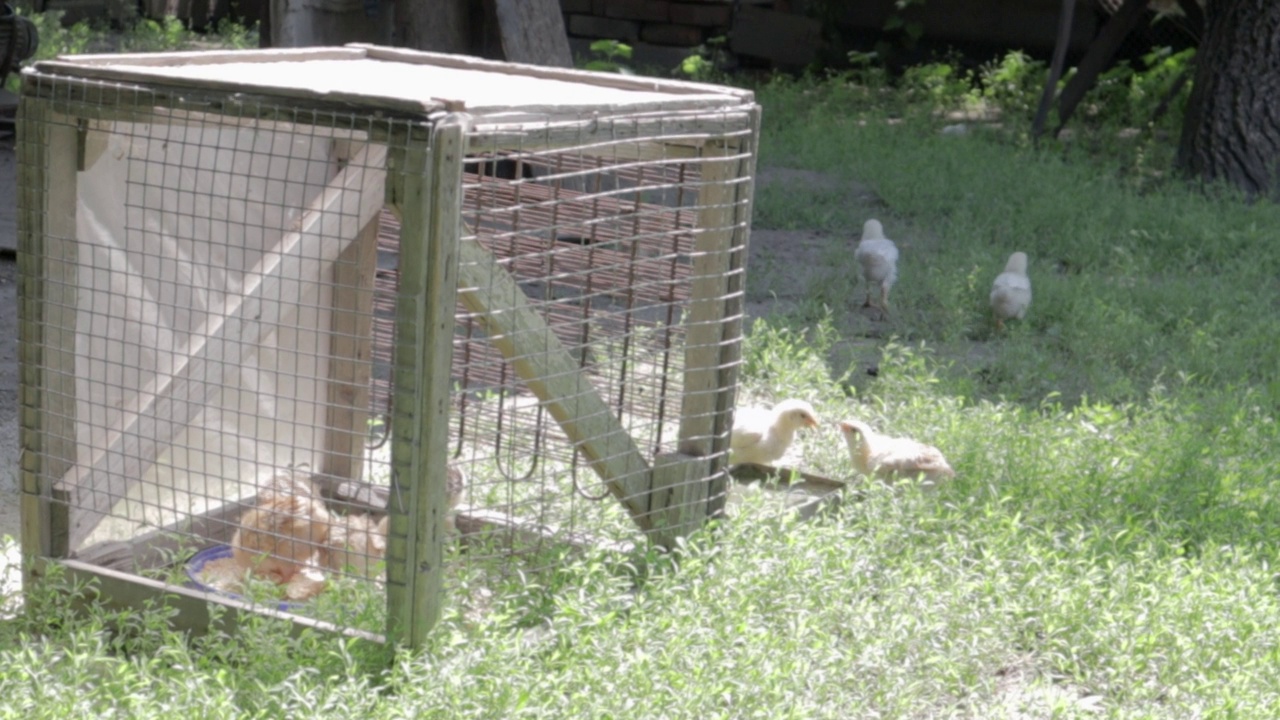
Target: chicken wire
{"type": "Point", "coordinates": [600, 240]}
{"type": "Point", "coordinates": [220, 322]}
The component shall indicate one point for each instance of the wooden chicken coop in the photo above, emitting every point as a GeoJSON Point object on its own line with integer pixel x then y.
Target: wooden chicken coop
{"type": "Point", "coordinates": [498, 305]}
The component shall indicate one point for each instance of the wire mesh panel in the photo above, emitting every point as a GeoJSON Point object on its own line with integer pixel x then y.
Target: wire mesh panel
{"type": "Point", "coordinates": [330, 359]}
{"type": "Point", "coordinates": [214, 292]}
{"type": "Point", "coordinates": [591, 246]}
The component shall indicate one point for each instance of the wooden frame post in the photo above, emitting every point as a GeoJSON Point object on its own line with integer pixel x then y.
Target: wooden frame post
{"type": "Point", "coordinates": [426, 190]}
{"type": "Point", "coordinates": [689, 486]}
{"type": "Point", "coordinates": [350, 353]}
{"type": "Point", "coordinates": [735, 309]}
{"type": "Point", "coordinates": [48, 158]}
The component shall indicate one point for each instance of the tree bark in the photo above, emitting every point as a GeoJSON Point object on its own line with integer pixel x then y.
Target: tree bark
{"type": "Point", "coordinates": [1231, 131]}
{"type": "Point", "coordinates": [448, 26]}
{"type": "Point", "coordinates": [307, 23]}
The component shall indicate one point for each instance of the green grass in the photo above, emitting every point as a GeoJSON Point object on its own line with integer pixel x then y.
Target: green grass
{"type": "Point", "coordinates": [1107, 549]}
{"type": "Point", "coordinates": [1136, 284]}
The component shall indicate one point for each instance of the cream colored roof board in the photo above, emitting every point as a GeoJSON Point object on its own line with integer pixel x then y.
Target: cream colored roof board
{"type": "Point", "coordinates": [405, 80]}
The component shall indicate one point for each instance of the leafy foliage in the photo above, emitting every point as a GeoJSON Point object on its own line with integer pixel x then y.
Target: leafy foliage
{"type": "Point", "coordinates": [707, 58]}
{"type": "Point", "coordinates": [610, 56]}
{"type": "Point", "coordinates": [1129, 96]}
{"type": "Point", "coordinates": [140, 35]}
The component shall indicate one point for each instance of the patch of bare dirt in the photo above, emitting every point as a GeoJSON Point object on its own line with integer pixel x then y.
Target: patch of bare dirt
{"type": "Point", "coordinates": [817, 181]}
{"type": "Point", "coordinates": [784, 264]}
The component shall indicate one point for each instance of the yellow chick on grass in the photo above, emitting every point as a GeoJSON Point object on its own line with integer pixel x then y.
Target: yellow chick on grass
{"type": "Point", "coordinates": [887, 458]}
{"type": "Point", "coordinates": [1011, 292]}
{"type": "Point", "coordinates": [762, 435]}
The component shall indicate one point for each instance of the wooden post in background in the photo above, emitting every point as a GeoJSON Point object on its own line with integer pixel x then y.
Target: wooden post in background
{"type": "Point", "coordinates": [532, 31]}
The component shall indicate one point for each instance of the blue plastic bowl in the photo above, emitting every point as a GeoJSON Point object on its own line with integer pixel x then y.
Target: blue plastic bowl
{"type": "Point", "coordinates": [196, 565]}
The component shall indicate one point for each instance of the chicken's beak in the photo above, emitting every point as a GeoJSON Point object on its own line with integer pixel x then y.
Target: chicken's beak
{"type": "Point", "coordinates": [810, 421]}
{"type": "Point", "coordinates": [844, 427]}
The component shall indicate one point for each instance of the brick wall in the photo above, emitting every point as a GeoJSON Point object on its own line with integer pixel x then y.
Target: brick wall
{"type": "Point", "coordinates": [660, 32]}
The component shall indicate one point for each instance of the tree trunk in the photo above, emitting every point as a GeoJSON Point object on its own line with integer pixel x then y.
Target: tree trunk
{"type": "Point", "coordinates": [1231, 130]}
{"type": "Point", "coordinates": [448, 26]}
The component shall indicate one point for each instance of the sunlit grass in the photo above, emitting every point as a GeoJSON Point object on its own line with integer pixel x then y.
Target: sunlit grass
{"type": "Point", "coordinates": [1132, 289]}
{"type": "Point", "coordinates": [1106, 550]}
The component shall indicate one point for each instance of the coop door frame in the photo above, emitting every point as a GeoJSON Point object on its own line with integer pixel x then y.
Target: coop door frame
{"type": "Point", "coordinates": [54, 148]}
{"type": "Point", "coordinates": [425, 192]}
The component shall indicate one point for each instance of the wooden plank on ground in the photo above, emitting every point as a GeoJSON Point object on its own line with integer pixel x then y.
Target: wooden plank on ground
{"type": "Point", "coordinates": [478, 522]}
{"type": "Point", "coordinates": [805, 493]}
{"type": "Point", "coordinates": [176, 395]}
{"type": "Point", "coordinates": [159, 547]}
{"type": "Point", "coordinates": [533, 32]}
{"type": "Point", "coordinates": [116, 590]}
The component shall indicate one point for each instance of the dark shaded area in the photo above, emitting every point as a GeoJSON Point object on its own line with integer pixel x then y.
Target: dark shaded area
{"type": "Point", "coordinates": [1099, 57]}
{"type": "Point", "coordinates": [974, 31]}
{"type": "Point", "coordinates": [1231, 130]}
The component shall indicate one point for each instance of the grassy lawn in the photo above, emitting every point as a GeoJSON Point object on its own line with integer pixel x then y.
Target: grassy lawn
{"type": "Point", "coordinates": [1105, 550]}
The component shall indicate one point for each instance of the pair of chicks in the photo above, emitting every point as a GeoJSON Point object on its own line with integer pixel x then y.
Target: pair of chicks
{"type": "Point", "coordinates": [762, 436]}
{"type": "Point", "coordinates": [877, 256]}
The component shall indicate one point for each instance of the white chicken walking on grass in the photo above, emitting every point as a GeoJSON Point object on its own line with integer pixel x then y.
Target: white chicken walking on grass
{"type": "Point", "coordinates": [1011, 292]}
{"type": "Point", "coordinates": [762, 435]}
{"type": "Point", "coordinates": [876, 455]}
{"type": "Point", "coordinates": [878, 258]}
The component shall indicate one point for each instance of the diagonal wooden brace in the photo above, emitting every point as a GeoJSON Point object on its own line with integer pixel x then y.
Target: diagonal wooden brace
{"type": "Point", "coordinates": [171, 400]}
{"type": "Point", "coordinates": [522, 336]}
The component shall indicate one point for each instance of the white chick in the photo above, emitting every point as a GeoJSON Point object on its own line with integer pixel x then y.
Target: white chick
{"type": "Point", "coordinates": [878, 258]}
{"type": "Point", "coordinates": [763, 435]}
{"type": "Point", "coordinates": [1011, 292]}
{"type": "Point", "coordinates": [887, 457]}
